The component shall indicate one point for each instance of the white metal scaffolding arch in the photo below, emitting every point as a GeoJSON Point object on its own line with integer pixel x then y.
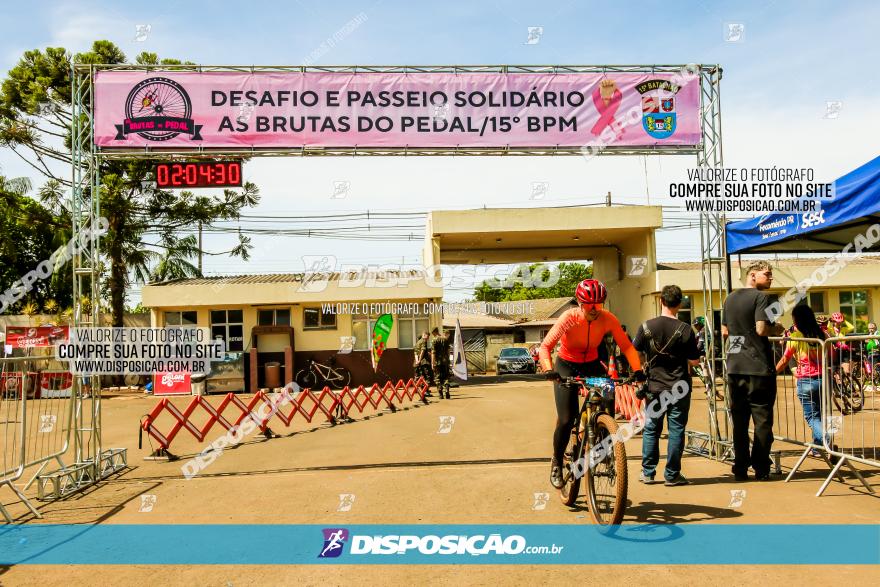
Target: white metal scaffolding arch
{"type": "Point", "coordinates": [92, 462]}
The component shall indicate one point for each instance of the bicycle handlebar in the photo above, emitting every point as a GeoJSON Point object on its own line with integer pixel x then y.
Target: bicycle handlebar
{"type": "Point", "coordinates": [587, 380]}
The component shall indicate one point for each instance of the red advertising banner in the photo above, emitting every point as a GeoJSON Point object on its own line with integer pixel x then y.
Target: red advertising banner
{"type": "Point", "coordinates": [21, 337]}
{"type": "Point", "coordinates": [55, 384]}
{"type": "Point", "coordinates": [172, 383]}
{"type": "Point", "coordinates": [11, 383]}
{"type": "Point", "coordinates": [293, 109]}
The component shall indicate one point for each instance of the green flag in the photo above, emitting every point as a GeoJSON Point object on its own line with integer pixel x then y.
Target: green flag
{"type": "Point", "coordinates": [381, 332]}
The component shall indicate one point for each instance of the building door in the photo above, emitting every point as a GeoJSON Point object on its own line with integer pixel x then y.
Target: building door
{"type": "Point", "coordinates": [475, 350]}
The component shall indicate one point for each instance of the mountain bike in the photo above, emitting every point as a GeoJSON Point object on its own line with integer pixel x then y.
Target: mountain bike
{"type": "Point", "coordinates": [866, 368]}
{"type": "Point", "coordinates": [847, 391]}
{"type": "Point", "coordinates": [590, 456]}
{"type": "Point", "coordinates": [319, 375]}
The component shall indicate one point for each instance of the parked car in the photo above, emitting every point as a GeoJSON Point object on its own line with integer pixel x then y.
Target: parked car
{"type": "Point", "coordinates": [515, 360]}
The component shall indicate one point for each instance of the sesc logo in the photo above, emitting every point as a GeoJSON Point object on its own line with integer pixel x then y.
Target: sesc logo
{"type": "Point", "coordinates": [334, 540]}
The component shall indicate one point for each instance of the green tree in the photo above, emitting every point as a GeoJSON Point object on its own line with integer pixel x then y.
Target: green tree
{"type": "Point", "coordinates": [145, 225]}
{"type": "Point", "coordinates": [29, 234]}
{"type": "Point", "coordinates": [529, 282]}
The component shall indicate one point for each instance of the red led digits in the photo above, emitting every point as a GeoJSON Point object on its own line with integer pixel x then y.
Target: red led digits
{"type": "Point", "coordinates": [198, 174]}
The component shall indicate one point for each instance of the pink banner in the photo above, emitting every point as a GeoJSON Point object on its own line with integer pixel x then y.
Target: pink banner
{"type": "Point", "coordinates": [317, 109]}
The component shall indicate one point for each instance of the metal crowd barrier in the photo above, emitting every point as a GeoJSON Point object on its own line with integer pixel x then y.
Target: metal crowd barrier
{"type": "Point", "coordinates": [799, 403]}
{"type": "Point", "coordinates": [36, 411]}
{"type": "Point", "coordinates": [851, 409]}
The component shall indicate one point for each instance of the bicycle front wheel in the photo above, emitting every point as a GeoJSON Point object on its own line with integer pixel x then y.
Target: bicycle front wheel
{"type": "Point", "coordinates": [856, 394]}
{"type": "Point", "coordinates": [607, 479]}
{"type": "Point", "coordinates": [306, 379]}
{"type": "Point", "coordinates": [572, 475]}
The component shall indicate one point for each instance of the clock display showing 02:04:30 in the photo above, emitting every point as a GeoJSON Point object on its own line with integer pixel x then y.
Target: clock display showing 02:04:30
{"type": "Point", "coordinates": [198, 174]}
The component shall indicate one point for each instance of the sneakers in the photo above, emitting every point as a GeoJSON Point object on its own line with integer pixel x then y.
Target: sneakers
{"type": "Point", "coordinates": [646, 480]}
{"type": "Point", "coordinates": [676, 481]}
{"type": "Point", "coordinates": [762, 477]}
{"type": "Point", "coordinates": [556, 474]}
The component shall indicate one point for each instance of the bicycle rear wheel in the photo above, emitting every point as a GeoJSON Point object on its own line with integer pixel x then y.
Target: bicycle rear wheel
{"type": "Point", "coordinates": [573, 452]}
{"type": "Point", "coordinates": [607, 480]}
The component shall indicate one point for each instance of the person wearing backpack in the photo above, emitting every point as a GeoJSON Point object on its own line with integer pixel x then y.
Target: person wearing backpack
{"type": "Point", "coordinates": [670, 349]}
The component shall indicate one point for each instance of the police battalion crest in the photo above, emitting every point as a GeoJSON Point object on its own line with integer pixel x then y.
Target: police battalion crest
{"type": "Point", "coordinates": [158, 109]}
{"type": "Point", "coordinates": [658, 107]}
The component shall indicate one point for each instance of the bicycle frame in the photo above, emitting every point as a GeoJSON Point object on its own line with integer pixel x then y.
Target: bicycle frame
{"type": "Point", "coordinates": [329, 374]}
{"type": "Point", "coordinates": [594, 405]}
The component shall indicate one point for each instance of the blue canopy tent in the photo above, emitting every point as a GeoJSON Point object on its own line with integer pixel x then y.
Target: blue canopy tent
{"type": "Point", "coordinates": [855, 207]}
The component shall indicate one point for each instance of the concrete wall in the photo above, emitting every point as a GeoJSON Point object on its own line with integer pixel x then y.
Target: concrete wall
{"type": "Point", "coordinates": [306, 340]}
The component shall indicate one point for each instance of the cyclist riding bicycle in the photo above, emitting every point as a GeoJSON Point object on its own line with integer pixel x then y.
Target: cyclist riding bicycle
{"type": "Point", "coordinates": [581, 331]}
{"type": "Point", "coordinates": [840, 326]}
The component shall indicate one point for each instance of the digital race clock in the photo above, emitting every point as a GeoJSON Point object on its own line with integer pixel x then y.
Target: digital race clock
{"type": "Point", "coordinates": [199, 174]}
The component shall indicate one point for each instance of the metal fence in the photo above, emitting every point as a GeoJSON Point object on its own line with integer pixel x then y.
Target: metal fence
{"type": "Point", "coordinates": [36, 413]}
{"type": "Point", "coordinates": [798, 408]}
{"type": "Point", "coordinates": [851, 412]}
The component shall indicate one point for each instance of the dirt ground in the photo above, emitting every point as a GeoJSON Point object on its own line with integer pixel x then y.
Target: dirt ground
{"type": "Point", "coordinates": [486, 470]}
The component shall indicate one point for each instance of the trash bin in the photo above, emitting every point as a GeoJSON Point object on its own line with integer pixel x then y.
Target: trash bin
{"type": "Point", "coordinates": [272, 375]}
{"type": "Point", "coordinates": [198, 383]}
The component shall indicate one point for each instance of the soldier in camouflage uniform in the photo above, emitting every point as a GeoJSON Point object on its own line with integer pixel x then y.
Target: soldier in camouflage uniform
{"type": "Point", "coordinates": [422, 361]}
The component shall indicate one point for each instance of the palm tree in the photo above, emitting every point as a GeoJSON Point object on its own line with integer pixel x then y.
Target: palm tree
{"type": "Point", "coordinates": [174, 263]}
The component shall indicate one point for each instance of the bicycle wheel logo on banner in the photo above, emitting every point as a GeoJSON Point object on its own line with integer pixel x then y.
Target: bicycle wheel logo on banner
{"type": "Point", "coordinates": [158, 109]}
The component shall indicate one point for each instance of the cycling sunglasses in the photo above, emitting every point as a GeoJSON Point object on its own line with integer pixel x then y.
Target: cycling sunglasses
{"type": "Point", "coordinates": [590, 307]}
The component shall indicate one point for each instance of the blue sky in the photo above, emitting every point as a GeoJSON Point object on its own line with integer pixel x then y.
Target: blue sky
{"type": "Point", "coordinates": [792, 59]}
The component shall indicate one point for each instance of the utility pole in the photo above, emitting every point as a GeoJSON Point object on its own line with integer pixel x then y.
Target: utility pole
{"type": "Point", "coordinates": [200, 247]}
{"type": "Point", "coordinates": [608, 199]}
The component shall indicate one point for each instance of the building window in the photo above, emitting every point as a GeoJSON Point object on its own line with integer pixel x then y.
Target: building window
{"type": "Point", "coordinates": [685, 313]}
{"type": "Point", "coordinates": [227, 325]}
{"type": "Point", "coordinates": [544, 333]}
{"type": "Point", "coordinates": [854, 307]}
{"type": "Point", "coordinates": [318, 319]}
{"type": "Point", "coordinates": [185, 318]}
{"type": "Point", "coordinates": [362, 330]}
{"type": "Point", "coordinates": [276, 317]}
{"type": "Point", "coordinates": [817, 301]}
{"type": "Point", "coordinates": [411, 327]}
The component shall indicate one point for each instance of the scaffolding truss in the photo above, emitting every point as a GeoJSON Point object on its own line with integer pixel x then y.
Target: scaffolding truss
{"type": "Point", "coordinates": [92, 463]}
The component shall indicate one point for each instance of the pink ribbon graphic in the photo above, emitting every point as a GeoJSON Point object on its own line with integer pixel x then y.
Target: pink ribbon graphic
{"type": "Point", "coordinates": [606, 113]}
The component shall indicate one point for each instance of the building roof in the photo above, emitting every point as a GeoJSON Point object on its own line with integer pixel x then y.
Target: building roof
{"type": "Point", "coordinates": [544, 309]}
{"type": "Point", "coordinates": [472, 314]}
{"type": "Point", "coordinates": [790, 262]}
{"type": "Point", "coordinates": [288, 277]}
{"type": "Point", "coordinates": [476, 321]}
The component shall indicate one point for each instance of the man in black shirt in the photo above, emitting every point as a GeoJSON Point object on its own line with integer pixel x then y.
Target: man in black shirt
{"type": "Point", "coordinates": [751, 371]}
{"type": "Point", "coordinates": [670, 349]}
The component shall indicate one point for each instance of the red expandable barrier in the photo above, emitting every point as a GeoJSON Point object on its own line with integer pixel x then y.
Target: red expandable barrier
{"type": "Point", "coordinates": [305, 403]}
{"type": "Point", "coordinates": [625, 402]}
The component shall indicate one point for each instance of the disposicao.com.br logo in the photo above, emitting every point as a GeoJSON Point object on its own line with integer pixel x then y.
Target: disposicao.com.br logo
{"type": "Point", "coordinates": [402, 544]}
